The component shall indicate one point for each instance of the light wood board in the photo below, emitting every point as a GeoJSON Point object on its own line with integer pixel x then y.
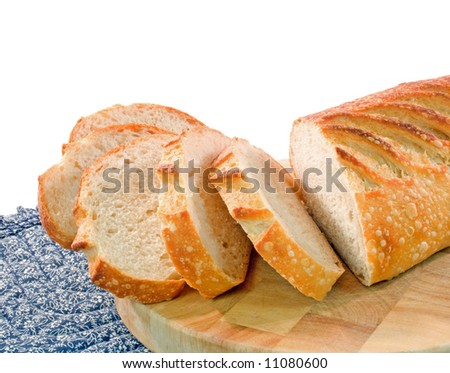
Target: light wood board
{"type": "Point", "coordinates": [408, 313]}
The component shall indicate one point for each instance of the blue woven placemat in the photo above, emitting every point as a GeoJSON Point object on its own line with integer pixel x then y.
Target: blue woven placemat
{"type": "Point", "coordinates": [47, 301]}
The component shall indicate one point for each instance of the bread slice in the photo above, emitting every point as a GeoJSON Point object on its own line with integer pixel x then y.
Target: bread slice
{"type": "Point", "coordinates": [208, 248]}
{"type": "Point", "coordinates": [262, 196]}
{"type": "Point", "coordinates": [164, 117]}
{"type": "Point", "coordinates": [119, 230]}
{"type": "Point", "coordinates": [58, 186]}
{"type": "Point", "coordinates": [394, 208]}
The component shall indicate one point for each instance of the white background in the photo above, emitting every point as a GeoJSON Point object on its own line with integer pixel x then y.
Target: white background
{"type": "Point", "coordinates": [247, 68]}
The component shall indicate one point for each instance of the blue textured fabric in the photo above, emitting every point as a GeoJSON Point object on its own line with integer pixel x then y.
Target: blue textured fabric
{"type": "Point", "coordinates": [47, 301]}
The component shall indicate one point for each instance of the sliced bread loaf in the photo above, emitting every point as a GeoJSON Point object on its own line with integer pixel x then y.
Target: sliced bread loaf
{"type": "Point", "coordinates": [208, 248]}
{"type": "Point", "coordinates": [262, 196]}
{"type": "Point", "coordinates": [392, 152]}
{"type": "Point", "coordinates": [164, 117]}
{"type": "Point", "coordinates": [58, 186]}
{"type": "Point", "coordinates": [119, 231]}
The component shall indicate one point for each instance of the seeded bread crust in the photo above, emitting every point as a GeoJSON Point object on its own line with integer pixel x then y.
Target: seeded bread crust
{"type": "Point", "coordinates": [395, 146]}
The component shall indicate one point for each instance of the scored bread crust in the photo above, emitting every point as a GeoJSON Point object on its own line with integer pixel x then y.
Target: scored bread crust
{"type": "Point", "coordinates": [106, 275]}
{"type": "Point", "coordinates": [404, 94]}
{"type": "Point", "coordinates": [188, 252]}
{"type": "Point", "coordinates": [57, 218]}
{"type": "Point", "coordinates": [271, 240]}
{"type": "Point", "coordinates": [147, 114]}
{"type": "Point", "coordinates": [403, 206]}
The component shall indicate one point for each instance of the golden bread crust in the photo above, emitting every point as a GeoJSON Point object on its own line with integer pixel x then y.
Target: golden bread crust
{"type": "Point", "coordinates": [293, 263]}
{"type": "Point", "coordinates": [191, 258]}
{"type": "Point", "coordinates": [140, 290]}
{"type": "Point", "coordinates": [405, 216]}
{"type": "Point", "coordinates": [86, 124]}
{"type": "Point", "coordinates": [268, 235]}
{"type": "Point", "coordinates": [187, 252]}
{"type": "Point", "coordinates": [47, 217]}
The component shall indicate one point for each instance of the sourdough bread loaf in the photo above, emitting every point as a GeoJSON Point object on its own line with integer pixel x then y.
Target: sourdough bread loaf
{"type": "Point", "coordinates": [391, 151]}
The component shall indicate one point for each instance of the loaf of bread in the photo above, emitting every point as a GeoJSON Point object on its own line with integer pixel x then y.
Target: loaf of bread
{"type": "Point", "coordinates": [206, 245]}
{"type": "Point", "coordinates": [118, 227]}
{"type": "Point", "coordinates": [58, 186]}
{"type": "Point", "coordinates": [262, 196]}
{"type": "Point", "coordinates": [376, 176]}
{"type": "Point", "coordinates": [164, 117]}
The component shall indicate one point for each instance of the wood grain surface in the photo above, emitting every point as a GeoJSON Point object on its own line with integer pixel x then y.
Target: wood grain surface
{"type": "Point", "coordinates": [408, 313]}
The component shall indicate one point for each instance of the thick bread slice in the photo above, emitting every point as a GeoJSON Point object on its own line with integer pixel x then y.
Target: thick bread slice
{"type": "Point", "coordinates": [262, 196]}
{"type": "Point", "coordinates": [208, 248]}
{"type": "Point", "coordinates": [164, 117]}
{"type": "Point", "coordinates": [58, 186]}
{"type": "Point", "coordinates": [119, 230]}
{"type": "Point", "coordinates": [394, 208]}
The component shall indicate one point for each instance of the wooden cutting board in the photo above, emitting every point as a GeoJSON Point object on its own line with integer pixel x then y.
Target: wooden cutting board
{"type": "Point", "coordinates": [409, 313]}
